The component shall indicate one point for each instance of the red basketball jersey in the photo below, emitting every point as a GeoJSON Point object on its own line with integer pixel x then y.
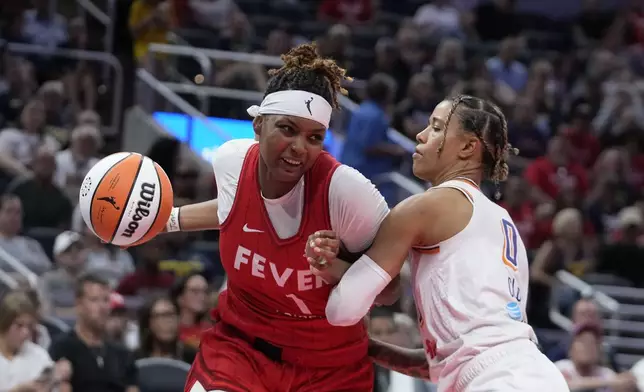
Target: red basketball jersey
{"type": "Point", "coordinates": [271, 292]}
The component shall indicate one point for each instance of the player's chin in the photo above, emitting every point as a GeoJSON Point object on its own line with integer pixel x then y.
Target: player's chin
{"type": "Point", "coordinates": [421, 170]}
{"type": "Point", "coordinates": [286, 172]}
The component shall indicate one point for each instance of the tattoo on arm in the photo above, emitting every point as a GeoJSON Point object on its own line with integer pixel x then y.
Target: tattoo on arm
{"type": "Point", "coordinates": [411, 362]}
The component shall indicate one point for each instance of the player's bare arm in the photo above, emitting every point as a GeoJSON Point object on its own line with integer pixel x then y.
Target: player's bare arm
{"type": "Point", "coordinates": [412, 362]}
{"type": "Point", "coordinates": [194, 217]}
{"type": "Point", "coordinates": [327, 259]}
{"type": "Point", "coordinates": [419, 220]}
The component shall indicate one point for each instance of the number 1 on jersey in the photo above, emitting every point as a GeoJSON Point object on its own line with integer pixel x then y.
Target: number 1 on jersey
{"type": "Point", "coordinates": [510, 237]}
{"type": "Point", "coordinates": [300, 304]}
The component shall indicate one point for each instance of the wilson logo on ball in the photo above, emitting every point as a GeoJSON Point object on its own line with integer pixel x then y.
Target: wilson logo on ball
{"type": "Point", "coordinates": [142, 210]}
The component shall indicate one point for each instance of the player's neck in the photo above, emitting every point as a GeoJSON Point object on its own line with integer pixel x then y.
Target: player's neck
{"type": "Point", "coordinates": [270, 187]}
{"type": "Point", "coordinates": [473, 175]}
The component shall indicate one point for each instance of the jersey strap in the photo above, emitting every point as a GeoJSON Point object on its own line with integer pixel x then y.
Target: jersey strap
{"type": "Point", "coordinates": [464, 185]}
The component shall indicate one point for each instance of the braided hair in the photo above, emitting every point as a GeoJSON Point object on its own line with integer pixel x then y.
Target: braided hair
{"type": "Point", "coordinates": [485, 120]}
{"type": "Point", "coordinates": [305, 70]}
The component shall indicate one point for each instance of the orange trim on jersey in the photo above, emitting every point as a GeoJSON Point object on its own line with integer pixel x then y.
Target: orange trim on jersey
{"type": "Point", "coordinates": [468, 181]}
{"type": "Point", "coordinates": [427, 250]}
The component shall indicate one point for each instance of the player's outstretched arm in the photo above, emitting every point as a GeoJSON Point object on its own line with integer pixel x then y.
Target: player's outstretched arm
{"type": "Point", "coordinates": [356, 292]}
{"type": "Point", "coordinates": [412, 362]}
{"type": "Point", "coordinates": [194, 217]}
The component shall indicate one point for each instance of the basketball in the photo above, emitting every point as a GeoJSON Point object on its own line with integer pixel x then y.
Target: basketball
{"type": "Point", "coordinates": [126, 199]}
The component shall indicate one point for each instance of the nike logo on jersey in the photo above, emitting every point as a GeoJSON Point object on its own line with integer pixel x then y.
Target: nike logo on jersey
{"type": "Point", "coordinates": [247, 229]}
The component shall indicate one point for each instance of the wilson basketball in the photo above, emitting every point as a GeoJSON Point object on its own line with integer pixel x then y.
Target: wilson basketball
{"type": "Point", "coordinates": [126, 199]}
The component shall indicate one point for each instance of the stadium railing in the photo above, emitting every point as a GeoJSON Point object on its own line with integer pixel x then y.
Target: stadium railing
{"type": "Point", "coordinates": [253, 58]}
{"type": "Point", "coordinates": [169, 91]}
{"type": "Point", "coordinates": [105, 58]}
{"type": "Point", "coordinates": [18, 267]}
{"type": "Point", "coordinates": [107, 19]}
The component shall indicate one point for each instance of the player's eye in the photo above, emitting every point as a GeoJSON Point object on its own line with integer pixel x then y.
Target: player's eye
{"type": "Point", "coordinates": [316, 138]}
{"type": "Point", "coordinates": [287, 129]}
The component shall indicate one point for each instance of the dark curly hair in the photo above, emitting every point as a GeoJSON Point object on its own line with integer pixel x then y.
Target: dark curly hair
{"type": "Point", "coordinates": [305, 70]}
{"type": "Point", "coordinates": [485, 120]}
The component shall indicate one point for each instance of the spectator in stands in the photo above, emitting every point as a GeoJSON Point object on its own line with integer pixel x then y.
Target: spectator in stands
{"type": "Point", "coordinates": [525, 134]}
{"type": "Point", "coordinates": [25, 366]}
{"type": "Point", "coordinates": [494, 20]}
{"type": "Point", "coordinates": [412, 114]}
{"type": "Point", "coordinates": [159, 326]}
{"type": "Point", "coordinates": [556, 170]}
{"type": "Point", "coordinates": [97, 364]}
{"type": "Point", "coordinates": [44, 204]}
{"type": "Point", "coordinates": [337, 45]}
{"type": "Point", "coordinates": [26, 250]}
{"type": "Point", "coordinates": [149, 23]}
{"type": "Point", "coordinates": [611, 191]}
{"type": "Point", "coordinates": [106, 260]}
{"type": "Point", "coordinates": [583, 370]}
{"type": "Point", "coordinates": [59, 284]}
{"type": "Point", "coordinates": [119, 328]}
{"type": "Point", "coordinates": [584, 145]}
{"type": "Point", "coordinates": [78, 75]}
{"type": "Point", "coordinates": [182, 259]}
{"type": "Point", "coordinates": [73, 163]}
{"type": "Point", "coordinates": [351, 12]}
{"type": "Point", "coordinates": [185, 181]}
{"type": "Point", "coordinates": [42, 27]}
{"type": "Point", "coordinates": [449, 64]}
{"type": "Point", "coordinates": [16, 87]}
{"type": "Point", "coordinates": [438, 19]}
{"type": "Point", "coordinates": [505, 66]}
{"type": "Point", "coordinates": [389, 62]}
{"type": "Point", "coordinates": [410, 45]}
{"type": "Point", "coordinates": [40, 333]}
{"type": "Point", "coordinates": [592, 24]}
{"type": "Point", "coordinates": [52, 95]}
{"type": "Point", "coordinates": [621, 109]}
{"type": "Point", "coordinates": [18, 146]}
{"type": "Point", "coordinates": [618, 256]}
{"type": "Point", "coordinates": [147, 279]}
{"type": "Point", "coordinates": [567, 250]}
{"type": "Point", "coordinates": [237, 34]}
{"type": "Point", "coordinates": [585, 312]}
{"type": "Point", "coordinates": [370, 151]}
{"type": "Point", "coordinates": [212, 14]}
{"type": "Point", "coordinates": [88, 117]}
{"type": "Point", "coordinates": [190, 295]}
{"type": "Point", "coordinates": [279, 41]}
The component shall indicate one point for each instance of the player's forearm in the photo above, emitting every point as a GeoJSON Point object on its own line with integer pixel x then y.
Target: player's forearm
{"type": "Point", "coordinates": [587, 383]}
{"type": "Point", "coordinates": [411, 362]}
{"type": "Point", "coordinates": [197, 217]}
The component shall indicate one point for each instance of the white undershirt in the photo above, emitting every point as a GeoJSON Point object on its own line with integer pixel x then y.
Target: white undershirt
{"type": "Point", "coordinates": [356, 208]}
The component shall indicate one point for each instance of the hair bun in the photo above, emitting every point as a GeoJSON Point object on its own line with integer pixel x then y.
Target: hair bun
{"type": "Point", "coordinates": [301, 56]}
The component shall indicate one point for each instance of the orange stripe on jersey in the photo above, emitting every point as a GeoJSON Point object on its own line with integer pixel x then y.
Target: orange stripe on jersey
{"type": "Point", "coordinates": [468, 181]}
{"type": "Point", "coordinates": [427, 250]}
{"type": "Point", "coordinates": [509, 247]}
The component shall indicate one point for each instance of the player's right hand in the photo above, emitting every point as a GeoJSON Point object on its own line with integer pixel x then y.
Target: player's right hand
{"type": "Point", "coordinates": [322, 248]}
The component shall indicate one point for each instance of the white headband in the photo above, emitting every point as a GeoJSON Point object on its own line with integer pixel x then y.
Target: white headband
{"type": "Point", "coordinates": [295, 103]}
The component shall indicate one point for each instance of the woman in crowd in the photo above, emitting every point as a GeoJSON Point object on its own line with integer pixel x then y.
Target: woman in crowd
{"type": "Point", "coordinates": [159, 326]}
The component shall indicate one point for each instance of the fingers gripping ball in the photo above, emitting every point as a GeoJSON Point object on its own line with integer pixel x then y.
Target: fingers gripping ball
{"type": "Point", "coordinates": [126, 199]}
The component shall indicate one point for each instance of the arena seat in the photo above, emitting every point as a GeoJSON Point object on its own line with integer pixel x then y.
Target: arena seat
{"type": "Point", "coordinates": [162, 374]}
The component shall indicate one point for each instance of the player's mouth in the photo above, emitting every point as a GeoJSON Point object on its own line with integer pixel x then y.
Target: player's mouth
{"type": "Point", "coordinates": [292, 162]}
{"type": "Point", "coordinates": [417, 154]}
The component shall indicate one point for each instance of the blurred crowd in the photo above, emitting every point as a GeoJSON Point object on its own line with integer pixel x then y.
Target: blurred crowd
{"type": "Point", "coordinates": [573, 92]}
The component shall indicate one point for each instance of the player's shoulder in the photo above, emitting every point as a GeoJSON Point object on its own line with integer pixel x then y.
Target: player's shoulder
{"type": "Point", "coordinates": [349, 184]}
{"type": "Point", "coordinates": [231, 152]}
{"type": "Point", "coordinates": [346, 176]}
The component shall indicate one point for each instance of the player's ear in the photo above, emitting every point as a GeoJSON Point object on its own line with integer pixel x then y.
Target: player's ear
{"type": "Point", "coordinates": [469, 145]}
{"type": "Point", "coordinates": [258, 122]}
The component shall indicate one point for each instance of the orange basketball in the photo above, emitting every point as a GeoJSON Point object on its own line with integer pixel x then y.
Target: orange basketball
{"type": "Point", "coordinates": [126, 199]}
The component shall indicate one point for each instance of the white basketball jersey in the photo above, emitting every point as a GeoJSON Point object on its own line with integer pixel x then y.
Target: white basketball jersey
{"type": "Point", "coordinates": [471, 289]}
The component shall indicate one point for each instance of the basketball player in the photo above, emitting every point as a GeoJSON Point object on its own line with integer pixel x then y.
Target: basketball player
{"type": "Point", "coordinates": [271, 332]}
{"type": "Point", "coordinates": [469, 265]}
